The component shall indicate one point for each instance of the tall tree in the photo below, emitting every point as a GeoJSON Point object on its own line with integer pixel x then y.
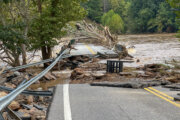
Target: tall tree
{"type": "Point", "coordinates": [14, 17]}
{"type": "Point", "coordinates": [113, 21]}
{"type": "Point", "coordinates": [94, 9]}
{"type": "Point", "coordinates": [52, 16]}
{"type": "Point", "coordinates": [143, 13]}
{"type": "Point", "coordinates": [175, 4]}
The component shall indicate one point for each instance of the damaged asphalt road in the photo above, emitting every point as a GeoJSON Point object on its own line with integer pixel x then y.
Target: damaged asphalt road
{"type": "Point", "coordinates": [107, 103]}
{"type": "Point", "coordinates": [85, 102]}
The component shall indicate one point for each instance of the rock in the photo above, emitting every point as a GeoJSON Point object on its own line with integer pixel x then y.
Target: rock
{"type": "Point", "coordinates": [5, 115]}
{"type": "Point", "coordinates": [77, 74]}
{"type": "Point", "coordinates": [30, 99]}
{"type": "Point", "coordinates": [10, 85]}
{"type": "Point", "coordinates": [14, 105]}
{"type": "Point", "coordinates": [35, 113]}
{"type": "Point", "coordinates": [2, 94]}
{"type": "Point", "coordinates": [50, 76]}
{"type": "Point", "coordinates": [98, 75]}
{"type": "Point", "coordinates": [23, 114]}
{"type": "Point", "coordinates": [17, 73]}
{"type": "Point", "coordinates": [41, 98]}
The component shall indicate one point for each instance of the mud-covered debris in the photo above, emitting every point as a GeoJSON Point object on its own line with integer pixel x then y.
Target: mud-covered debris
{"type": "Point", "coordinates": [173, 79]}
{"type": "Point", "coordinates": [93, 66]}
{"type": "Point", "coordinates": [126, 74]}
{"type": "Point", "coordinates": [122, 52]}
{"type": "Point", "coordinates": [23, 115]}
{"type": "Point", "coordinates": [72, 62]}
{"type": "Point", "coordinates": [173, 86]}
{"type": "Point", "coordinates": [10, 85]}
{"type": "Point", "coordinates": [77, 73]}
{"type": "Point", "coordinates": [155, 67]}
{"type": "Point", "coordinates": [37, 114]}
{"type": "Point", "coordinates": [98, 75]}
{"type": "Point", "coordinates": [50, 76]}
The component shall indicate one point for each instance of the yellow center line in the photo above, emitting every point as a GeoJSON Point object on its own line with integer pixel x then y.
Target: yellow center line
{"type": "Point", "coordinates": [163, 94]}
{"type": "Point", "coordinates": [90, 49]}
{"type": "Point", "coordinates": [172, 102]}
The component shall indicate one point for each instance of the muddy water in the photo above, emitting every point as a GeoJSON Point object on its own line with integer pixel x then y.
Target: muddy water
{"type": "Point", "coordinates": [152, 48]}
{"type": "Point", "coordinates": [62, 77]}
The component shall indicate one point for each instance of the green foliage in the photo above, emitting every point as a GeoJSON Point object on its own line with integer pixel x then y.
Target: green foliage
{"type": "Point", "coordinates": [94, 9]}
{"type": "Point", "coordinates": [12, 38]}
{"type": "Point", "coordinates": [164, 21]}
{"type": "Point", "coordinates": [175, 4]}
{"type": "Point", "coordinates": [53, 17]}
{"type": "Point", "coordinates": [139, 16]}
{"type": "Point", "coordinates": [113, 21]}
{"type": "Point", "coordinates": [151, 16]}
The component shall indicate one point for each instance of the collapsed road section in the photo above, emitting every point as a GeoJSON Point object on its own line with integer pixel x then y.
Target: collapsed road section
{"type": "Point", "coordinates": [87, 63]}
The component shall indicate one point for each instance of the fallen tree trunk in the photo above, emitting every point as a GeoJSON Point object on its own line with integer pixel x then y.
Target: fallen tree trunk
{"type": "Point", "coordinates": [89, 31]}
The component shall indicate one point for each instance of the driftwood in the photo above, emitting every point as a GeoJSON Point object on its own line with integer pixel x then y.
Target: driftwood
{"type": "Point", "coordinates": [91, 32]}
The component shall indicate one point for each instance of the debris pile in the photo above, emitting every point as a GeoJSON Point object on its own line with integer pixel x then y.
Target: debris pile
{"type": "Point", "coordinates": [72, 62]}
{"type": "Point", "coordinates": [160, 71]}
{"type": "Point", "coordinates": [30, 105]}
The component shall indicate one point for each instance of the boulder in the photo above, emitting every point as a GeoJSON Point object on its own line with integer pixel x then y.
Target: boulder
{"type": "Point", "coordinates": [2, 94]}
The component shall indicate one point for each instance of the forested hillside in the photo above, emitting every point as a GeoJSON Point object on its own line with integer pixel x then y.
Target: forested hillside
{"type": "Point", "coordinates": [134, 16]}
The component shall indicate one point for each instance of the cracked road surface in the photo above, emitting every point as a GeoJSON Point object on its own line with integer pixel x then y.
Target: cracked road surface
{"type": "Point", "coordinates": [85, 102]}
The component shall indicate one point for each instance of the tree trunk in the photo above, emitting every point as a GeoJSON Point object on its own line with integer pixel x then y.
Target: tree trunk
{"type": "Point", "coordinates": [23, 47]}
{"type": "Point", "coordinates": [17, 61]}
{"type": "Point", "coordinates": [46, 53]}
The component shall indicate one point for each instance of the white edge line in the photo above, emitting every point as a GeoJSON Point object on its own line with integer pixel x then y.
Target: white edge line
{"type": "Point", "coordinates": [67, 107]}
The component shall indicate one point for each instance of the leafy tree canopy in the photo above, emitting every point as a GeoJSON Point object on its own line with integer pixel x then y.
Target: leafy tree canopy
{"type": "Point", "coordinates": [113, 21]}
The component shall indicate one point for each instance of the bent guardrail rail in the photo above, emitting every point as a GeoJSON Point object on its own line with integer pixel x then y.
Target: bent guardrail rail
{"type": "Point", "coordinates": [32, 64]}
{"type": "Point", "coordinates": [6, 100]}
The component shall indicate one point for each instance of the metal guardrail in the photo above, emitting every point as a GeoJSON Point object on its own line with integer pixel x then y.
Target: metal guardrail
{"type": "Point", "coordinates": [6, 100]}
{"type": "Point", "coordinates": [32, 64]}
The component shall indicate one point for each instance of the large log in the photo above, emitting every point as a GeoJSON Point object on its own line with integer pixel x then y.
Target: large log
{"type": "Point", "coordinates": [89, 31]}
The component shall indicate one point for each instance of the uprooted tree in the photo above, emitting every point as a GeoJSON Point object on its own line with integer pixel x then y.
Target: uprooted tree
{"type": "Point", "coordinates": [86, 31]}
{"type": "Point", "coordinates": [98, 34]}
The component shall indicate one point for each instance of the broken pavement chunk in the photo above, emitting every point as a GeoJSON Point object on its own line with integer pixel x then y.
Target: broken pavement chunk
{"type": "Point", "coordinates": [130, 84]}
